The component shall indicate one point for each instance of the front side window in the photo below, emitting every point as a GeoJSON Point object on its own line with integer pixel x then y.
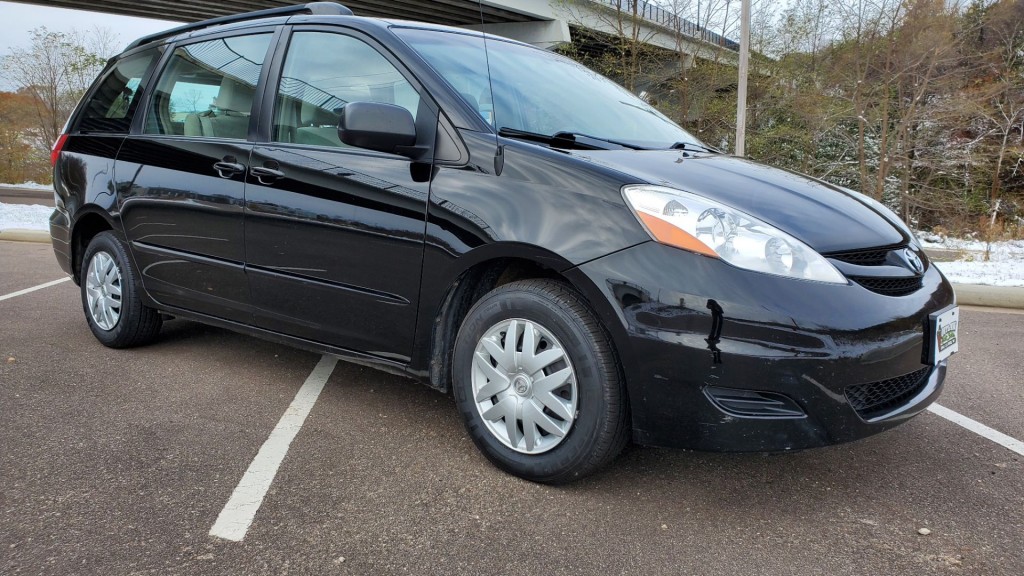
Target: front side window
{"type": "Point", "coordinates": [207, 88]}
{"type": "Point", "coordinates": [111, 107]}
{"type": "Point", "coordinates": [324, 71]}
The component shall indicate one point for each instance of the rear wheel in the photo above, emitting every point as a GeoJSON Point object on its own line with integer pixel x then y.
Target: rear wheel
{"type": "Point", "coordinates": [110, 295]}
{"type": "Point", "coordinates": [538, 384]}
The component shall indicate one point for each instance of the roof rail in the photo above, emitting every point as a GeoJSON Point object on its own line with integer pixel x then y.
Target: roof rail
{"type": "Point", "coordinates": [314, 8]}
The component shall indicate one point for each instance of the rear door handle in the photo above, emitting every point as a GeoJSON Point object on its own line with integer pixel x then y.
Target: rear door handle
{"type": "Point", "coordinates": [228, 167]}
{"type": "Point", "coordinates": [266, 175]}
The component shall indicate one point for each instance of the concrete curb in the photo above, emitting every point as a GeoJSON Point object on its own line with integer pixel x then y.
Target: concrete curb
{"type": "Point", "coordinates": [23, 235]}
{"type": "Point", "coordinates": [995, 296]}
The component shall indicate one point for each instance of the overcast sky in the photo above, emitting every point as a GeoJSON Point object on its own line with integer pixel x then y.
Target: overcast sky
{"type": "Point", "coordinates": [19, 19]}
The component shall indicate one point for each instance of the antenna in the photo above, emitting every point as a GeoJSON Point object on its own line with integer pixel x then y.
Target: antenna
{"type": "Point", "coordinates": [499, 153]}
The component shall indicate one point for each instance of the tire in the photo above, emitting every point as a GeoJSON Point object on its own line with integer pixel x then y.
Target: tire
{"type": "Point", "coordinates": [111, 295]}
{"type": "Point", "coordinates": [566, 396]}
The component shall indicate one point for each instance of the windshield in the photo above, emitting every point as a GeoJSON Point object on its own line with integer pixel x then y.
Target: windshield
{"type": "Point", "coordinates": [541, 92]}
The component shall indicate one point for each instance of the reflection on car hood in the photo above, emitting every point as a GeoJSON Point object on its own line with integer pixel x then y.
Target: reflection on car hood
{"type": "Point", "coordinates": [822, 216]}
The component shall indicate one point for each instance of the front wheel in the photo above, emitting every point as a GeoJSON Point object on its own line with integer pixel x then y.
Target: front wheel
{"type": "Point", "coordinates": [537, 383]}
{"type": "Point", "coordinates": [110, 295]}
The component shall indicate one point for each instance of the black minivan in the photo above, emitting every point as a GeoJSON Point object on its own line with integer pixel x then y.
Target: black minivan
{"type": "Point", "coordinates": [498, 222]}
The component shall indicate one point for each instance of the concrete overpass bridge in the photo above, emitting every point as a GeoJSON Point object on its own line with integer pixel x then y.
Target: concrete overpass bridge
{"type": "Point", "coordinates": [545, 23]}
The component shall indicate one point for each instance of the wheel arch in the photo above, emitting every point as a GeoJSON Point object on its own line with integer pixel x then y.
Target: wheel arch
{"type": "Point", "coordinates": [487, 267]}
{"type": "Point", "coordinates": [90, 221]}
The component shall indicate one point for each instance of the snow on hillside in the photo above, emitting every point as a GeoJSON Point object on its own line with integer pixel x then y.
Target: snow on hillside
{"type": "Point", "coordinates": [1013, 249]}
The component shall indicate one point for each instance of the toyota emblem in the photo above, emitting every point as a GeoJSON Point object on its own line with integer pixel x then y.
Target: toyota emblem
{"type": "Point", "coordinates": [913, 260]}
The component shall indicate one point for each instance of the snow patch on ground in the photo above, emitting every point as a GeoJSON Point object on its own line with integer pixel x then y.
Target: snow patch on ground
{"type": "Point", "coordinates": [24, 217]}
{"type": "Point", "coordinates": [1009, 273]}
{"type": "Point", "coordinates": [29, 186]}
{"type": "Point", "coordinates": [1004, 268]}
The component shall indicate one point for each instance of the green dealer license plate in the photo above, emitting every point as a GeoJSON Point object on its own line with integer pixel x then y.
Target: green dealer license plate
{"type": "Point", "coordinates": [945, 338]}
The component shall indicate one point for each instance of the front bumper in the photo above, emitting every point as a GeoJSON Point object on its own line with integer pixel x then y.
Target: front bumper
{"type": "Point", "coordinates": [688, 327]}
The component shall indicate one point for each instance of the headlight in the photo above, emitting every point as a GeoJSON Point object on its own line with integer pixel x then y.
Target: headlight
{"type": "Point", "coordinates": [700, 225]}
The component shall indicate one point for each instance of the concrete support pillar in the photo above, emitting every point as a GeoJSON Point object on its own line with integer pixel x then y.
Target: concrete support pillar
{"type": "Point", "coordinates": [545, 34]}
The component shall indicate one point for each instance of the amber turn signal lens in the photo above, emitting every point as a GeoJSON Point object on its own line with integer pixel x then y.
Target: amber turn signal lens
{"type": "Point", "coordinates": [666, 233]}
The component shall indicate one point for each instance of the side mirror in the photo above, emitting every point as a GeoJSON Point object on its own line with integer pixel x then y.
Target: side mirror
{"type": "Point", "coordinates": [377, 126]}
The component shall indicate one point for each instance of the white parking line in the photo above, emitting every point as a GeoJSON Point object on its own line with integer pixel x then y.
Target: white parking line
{"type": "Point", "coordinates": [979, 428]}
{"type": "Point", "coordinates": [34, 288]}
{"type": "Point", "coordinates": [236, 517]}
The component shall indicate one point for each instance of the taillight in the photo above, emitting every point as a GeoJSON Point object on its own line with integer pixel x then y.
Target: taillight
{"type": "Point", "coordinates": [57, 146]}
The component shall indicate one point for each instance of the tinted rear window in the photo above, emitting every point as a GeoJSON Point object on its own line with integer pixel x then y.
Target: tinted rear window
{"type": "Point", "coordinates": [111, 107]}
{"type": "Point", "coordinates": [207, 88]}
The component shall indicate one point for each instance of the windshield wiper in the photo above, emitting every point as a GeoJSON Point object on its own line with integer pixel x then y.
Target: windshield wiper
{"type": "Point", "coordinates": [569, 140]}
{"type": "Point", "coordinates": [694, 146]}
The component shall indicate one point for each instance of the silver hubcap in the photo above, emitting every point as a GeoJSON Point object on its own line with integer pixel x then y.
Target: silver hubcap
{"type": "Point", "coordinates": [103, 290]}
{"type": "Point", "coordinates": [524, 386]}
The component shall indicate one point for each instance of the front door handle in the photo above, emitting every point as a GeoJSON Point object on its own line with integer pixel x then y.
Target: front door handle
{"type": "Point", "coordinates": [228, 167]}
{"type": "Point", "coordinates": [265, 174]}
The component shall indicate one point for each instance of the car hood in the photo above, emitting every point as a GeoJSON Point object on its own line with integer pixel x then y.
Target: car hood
{"type": "Point", "coordinates": [824, 217]}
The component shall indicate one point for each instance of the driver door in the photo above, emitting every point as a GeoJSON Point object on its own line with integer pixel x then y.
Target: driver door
{"type": "Point", "coordinates": [334, 234]}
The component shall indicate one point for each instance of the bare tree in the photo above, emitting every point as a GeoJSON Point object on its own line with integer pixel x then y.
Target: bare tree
{"type": "Point", "coordinates": [1001, 100]}
{"type": "Point", "coordinates": [55, 70]}
{"type": "Point", "coordinates": [918, 103]}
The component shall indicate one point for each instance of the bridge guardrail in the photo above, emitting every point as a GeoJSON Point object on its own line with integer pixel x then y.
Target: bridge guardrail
{"type": "Point", "coordinates": [653, 13]}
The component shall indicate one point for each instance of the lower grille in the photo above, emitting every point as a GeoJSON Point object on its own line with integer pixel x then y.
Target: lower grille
{"type": "Point", "coordinates": [889, 286]}
{"type": "Point", "coordinates": [877, 398]}
{"type": "Point", "coordinates": [753, 403]}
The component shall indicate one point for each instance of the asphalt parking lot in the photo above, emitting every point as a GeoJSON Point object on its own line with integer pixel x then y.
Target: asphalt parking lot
{"type": "Point", "coordinates": [119, 462]}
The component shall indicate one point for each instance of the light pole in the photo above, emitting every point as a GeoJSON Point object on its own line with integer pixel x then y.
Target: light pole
{"type": "Point", "coordinates": [741, 92]}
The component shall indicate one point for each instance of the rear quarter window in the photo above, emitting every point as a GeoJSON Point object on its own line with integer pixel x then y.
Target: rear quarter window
{"type": "Point", "coordinates": [111, 107]}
